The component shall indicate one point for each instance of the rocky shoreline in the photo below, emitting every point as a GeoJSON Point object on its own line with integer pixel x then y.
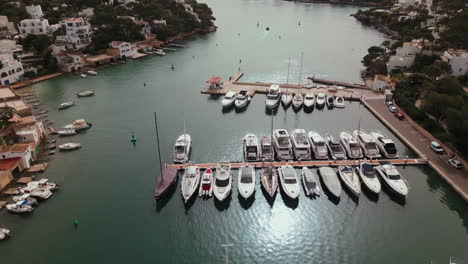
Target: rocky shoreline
{"type": "Point", "coordinates": [336, 2]}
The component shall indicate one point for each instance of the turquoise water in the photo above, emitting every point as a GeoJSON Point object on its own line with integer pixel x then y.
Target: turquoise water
{"type": "Point", "coordinates": [108, 184]}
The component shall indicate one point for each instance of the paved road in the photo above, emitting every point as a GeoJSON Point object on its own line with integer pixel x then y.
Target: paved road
{"type": "Point", "coordinates": [458, 179]}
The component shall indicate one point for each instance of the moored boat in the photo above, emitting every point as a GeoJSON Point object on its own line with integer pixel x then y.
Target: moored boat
{"type": "Point", "coordinates": [66, 132]}
{"type": "Point", "coordinates": [369, 177]}
{"type": "Point", "coordinates": [286, 99]}
{"type": "Point", "coordinates": [20, 207]}
{"type": "Point", "coordinates": [223, 180]}
{"type": "Point", "coordinates": [319, 148]}
{"type": "Point", "coordinates": [273, 97]}
{"type": "Point", "coordinates": [78, 124]}
{"type": "Point", "coordinates": [43, 183]}
{"type": "Point", "coordinates": [246, 181]}
{"type": "Point", "coordinates": [69, 146]}
{"type": "Point", "coordinates": [266, 149]}
{"type": "Point", "coordinates": [320, 100]}
{"type": "Point", "coordinates": [167, 178]}
{"type": "Point", "coordinates": [182, 148]}
{"type": "Point", "coordinates": [310, 182]}
{"type": "Point", "coordinates": [269, 180]}
{"type": "Point", "coordinates": [288, 180]}
{"type": "Point", "coordinates": [350, 179]}
{"type": "Point", "coordinates": [309, 100]}
{"type": "Point", "coordinates": [25, 197]}
{"type": "Point", "coordinates": [335, 148]}
{"type": "Point", "coordinates": [368, 145]}
{"type": "Point", "coordinates": [330, 180]}
{"type": "Point", "coordinates": [392, 178]}
{"type": "Point", "coordinates": [190, 182]}
{"type": "Point", "coordinates": [242, 99]}
{"type": "Point", "coordinates": [386, 145]}
{"type": "Point", "coordinates": [66, 105]}
{"type": "Point", "coordinates": [330, 101]}
{"type": "Point", "coordinates": [85, 93]}
{"type": "Point", "coordinates": [282, 145]}
{"type": "Point", "coordinates": [251, 147]}
{"type": "Point", "coordinates": [83, 75]}
{"type": "Point", "coordinates": [351, 145]}
{"type": "Point", "coordinates": [298, 101]}
{"type": "Point", "coordinates": [339, 102]}
{"type": "Point", "coordinates": [4, 233]}
{"type": "Point", "coordinates": [206, 184]}
{"type": "Point", "coordinates": [228, 99]}
{"type": "Point", "coordinates": [300, 144]}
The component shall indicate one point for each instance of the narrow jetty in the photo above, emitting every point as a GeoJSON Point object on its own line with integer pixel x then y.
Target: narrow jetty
{"type": "Point", "coordinates": [308, 163]}
{"type": "Point", "coordinates": [345, 84]}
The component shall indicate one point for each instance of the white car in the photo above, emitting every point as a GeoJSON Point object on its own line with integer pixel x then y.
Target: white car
{"type": "Point", "coordinates": [436, 147]}
{"type": "Point", "coordinates": [392, 109]}
{"type": "Point", "coordinates": [455, 163]}
{"type": "Point", "coordinates": [388, 103]}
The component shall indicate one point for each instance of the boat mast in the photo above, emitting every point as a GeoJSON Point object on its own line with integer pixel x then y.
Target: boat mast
{"type": "Point", "coordinates": [157, 139]}
{"type": "Point", "coordinates": [300, 72]}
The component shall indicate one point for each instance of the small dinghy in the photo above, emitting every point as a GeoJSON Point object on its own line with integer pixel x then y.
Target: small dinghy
{"type": "Point", "coordinates": [25, 197]}
{"type": "Point", "coordinates": [269, 180]}
{"type": "Point", "coordinates": [85, 93]}
{"type": "Point", "coordinates": [66, 132]}
{"type": "Point", "coordinates": [246, 181]}
{"type": "Point", "coordinates": [330, 180]}
{"type": "Point", "coordinates": [298, 101]}
{"type": "Point", "coordinates": [310, 182]}
{"type": "Point", "coordinates": [83, 75]}
{"type": "Point", "coordinates": [20, 207]}
{"type": "Point", "coordinates": [159, 52]}
{"type": "Point", "coordinates": [69, 146]}
{"type": "Point", "coordinates": [350, 179]}
{"type": "Point", "coordinates": [190, 182]}
{"type": "Point", "coordinates": [206, 186]}
{"type": "Point", "coordinates": [92, 73]}
{"type": "Point", "coordinates": [4, 233]}
{"type": "Point", "coordinates": [339, 102]}
{"type": "Point", "coordinates": [66, 105]}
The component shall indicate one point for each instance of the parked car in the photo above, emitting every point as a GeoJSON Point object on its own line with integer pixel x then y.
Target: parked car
{"type": "Point", "coordinates": [392, 109]}
{"type": "Point", "coordinates": [436, 147]}
{"type": "Point", "coordinates": [455, 163]}
{"type": "Point", "coordinates": [388, 102]}
{"type": "Point", "coordinates": [399, 115]}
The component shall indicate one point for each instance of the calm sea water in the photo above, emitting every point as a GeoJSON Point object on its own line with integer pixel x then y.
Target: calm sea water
{"type": "Point", "coordinates": [108, 184]}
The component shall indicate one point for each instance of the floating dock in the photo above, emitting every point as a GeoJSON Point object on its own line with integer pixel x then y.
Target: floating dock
{"type": "Point", "coordinates": [38, 168]}
{"type": "Point", "coordinates": [308, 163]}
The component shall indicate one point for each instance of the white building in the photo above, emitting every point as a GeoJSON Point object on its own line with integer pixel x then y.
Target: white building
{"type": "Point", "coordinates": [409, 48]}
{"type": "Point", "coordinates": [7, 29]}
{"type": "Point", "coordinates": [34, 11]}
{"type": "Point", "coordinates": [126, 49]}
{"type": "Point", "coordinates": [88, 12]}
{"type": "Point", "coordinates": [160, 22]}
{"type": "Point", "coordinates": [145, 28]}
{"type": "Point", "coordinates": [20, 150]}
{"type": "Point", "coordinates": [70, 61]}
{"type": "Point", "coordinates": [11, 71]}
{"type": "Point", "coordinates": [400, 62]}
{"type": "Point", "coordinates": [427, 4]}
{"type": "Point", "coordinates": [189, 9]}
{"type": "Point", "coordinates": [458, 60]}
{"type": "Point", "coordinates": [78, 32]}
{"type": "Point", "coordinates": [38, 26]}
{"type": "Point", "coordinates": [381, 82]}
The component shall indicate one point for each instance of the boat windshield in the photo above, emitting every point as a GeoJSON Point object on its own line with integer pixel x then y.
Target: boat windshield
{"type": "Point", "coordinates": [370, 145]}
{"type": "Point", "coordinates": [180, 149]}
{"type": "Point", "coordinates": [266, 150]}
{"type": "Point", "coordinates": [222, 183]}
{"type": "Point", "coordinates": [246, 176]}
{"type": "Point", "coordinates": [229, 96]}
{"type": "Point", "coordinates": [336, 148]}
{"type": "Point", "coordinates": [272, 96]}
{"type": "Point", "coordinates": [301, 149]}
{"type": "Point", "coordinates": [390, 148]}
{"type": "Point", "coordinates": [369, 171]}
{"type": "Point", "coordinates": [283, 141]}
{"type": "Point", "coordinates": [394, 176]}
{"type": "Point", "coordinates": [290, 181]}
{"type": "Point", "coordinates": [251, 149]}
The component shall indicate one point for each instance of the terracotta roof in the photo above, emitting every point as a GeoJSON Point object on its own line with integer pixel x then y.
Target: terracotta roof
{"type": "Point", "coordinates": [19, 147]}
{"type": "Point", "coordinates": [8, 164]}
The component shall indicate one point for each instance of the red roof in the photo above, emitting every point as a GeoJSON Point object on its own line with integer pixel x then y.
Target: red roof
{"type": "Point", "coordinates": [214, 79]}
{"type": "Point", "coordinates": [7, 164]}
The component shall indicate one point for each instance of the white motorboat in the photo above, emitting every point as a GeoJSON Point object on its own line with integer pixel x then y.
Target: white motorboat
{"type": "Point", "coordinates": [78, 124]}
{"type": "Point", "coordinates": [66, 132]}
{"type": "Point", "coordinates": [4, 233]}
{"type": "Point", "coordinates": [310, 182]}
{"type": "Point", "coordinates": [289, 182]}
{"type": "Point", "coordinates": [386, 145]}
{"type": "Point", "coordinates": [286, 98]}
{"type": "Point", "coordinates": [85, 93]}
{"type": "Point", "coordinates": [330, 101]}
{"type": "Point", "coordinates": [190, 182]}
{"type": "Point", "coordinates": [83, 75]}
{"type": "Point", "coordinates": [350, 179]}
{"type": "Point", "coordinates": [66, 105]}
{"type": "Point", "coordinates": [309, 85]}
{"type": "Point", "coordinates": [298, 101]}
{"type": "Point", "coordinates": [69, 146]}
{"type": "Point", "coordinates": [43, 183]}
{"type": "Point", "coordinates": [41, 193]}
{"type": "Point", "coordinates": [393, 179]}
{"type": "Point", "coordinates": [319, 148]}
{"type": "Point", "coordinates": [206, 184]}
{"type": "Point", "coordinates": [20, 207]}
{"type": "Point", "coordinates": [182, 148]}
{"type": "Point", "coordinates": [269, 180]}
{"type": "Point", "coordinates": [246, 181]}
{"type": "Point", "coordinates": [330, 180]}
{"type": "Point", "coordinates": [282, 145]}
{"type": "Point", "coordinates": [369, 177]}
{"type": "Point", "coordinates": [251, 148]}
{"type": "Point", "coordinates": [223, 180]}
{"type": "Point", "coordinates": [160, 52]}
{"type": "Point", "coordinates": [267, 153]}
{"type": "Point", "coordinates": [273, 97]}
{"type": "Point", "coordinates": [339, 102]}
{"type": "Point", "coordinates": [335, 148]}
{"type": "Point", "coordinates": [300, 144]}
{"type": "Point", "coordinates": [368, 145]}
{"type": "Point", "coordinates": [351, 145]}
{"type": "Point", "coordinates": [92, 73]}
{"type": "Point", "coordinates": [228, 99]}
{"type": "Point", "coordinates": [320, 100]}
{"type": "Point", "coordinates": [25, 197]}
{"type": "Point", "coordinates": [309, 100]}
{"type": "Point", "coordinates": [242, 99]}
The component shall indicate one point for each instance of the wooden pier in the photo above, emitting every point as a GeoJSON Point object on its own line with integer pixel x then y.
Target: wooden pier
{"type": "Point", "coordinates": [309, 163]}
{"type": "Point", "coordinates": [330, 82]}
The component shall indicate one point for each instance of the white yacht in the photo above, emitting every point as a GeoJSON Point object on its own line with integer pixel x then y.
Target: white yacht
{"type": "Point", "coordinates": [267, 153]}
{"type": "Point", "coordinates": [251, 147]}
{"type": "Point", "coordinates": [319, 147]}
{"type": "Point", "coordinates": [4, 233]}
{"type": "Point", "coordinates": [309, 100]}
{"type": "Point", "coordinates": [206, 184]}
{"type": "Point", "coordinates": [386, 145]}
{"type": "Point", "coordinates": [300, 144]}
{"type": "Point", "coordinates": [66, 105]}
{"type": "Point", "coordinates": [330, 101]}
{"type": "Point", "coordinates": [223, 180]}
{"type": "Point", "coordinates": [335, 148]}
{"type": "Point", "coordinates": [182, 148]}
{"type": "Point", "coordinates": [368, 144]}
{"type": "Point", "coordinates": [69, 146]}
{"type": "Point", "coordinates": [25, 197]}
{"type": "Point", "coordinates": [242, 99]}
{"type": "Point", "coordinates": [298, 101]}
{"type": "Point", "coordinates": [20, 207]}
{"type": "Point", "coordinates": [310, 182]}
{"type": "Point", "coordinates": [350, 179]}
{"type": "Point", "coordinates": [369, 177]}
{"type": "Point", "coordinates": [246, 181]}
{"type": "Point", "coordinates": [289, 182]}
{"type": "Point", "coordinates": [339, 102]}
{"type": "Point", "coordinates": [92, 72]}
{"type": "Point", "coordinates": [320, 100]}
{"type": "Point", "coordinates": [83, 75]}
{"type": "Point", "coordinates": [66, 132]}
{"type": "Point", "coordinates": [351, 145]}
{"type": "Point", "coordinates": [282, 145]}
{"type": "Point", "coordinates": [79, 124]}
{"type": "Point", "coordinates": [42, 183]}
{"type": "Point", "coordinates": [228, 99]}
{"type": "Point", "coordinates": [286, 98]}
{"type": "Point", "coordinates": [41, 193]}
{"type": "Point", "coordinates": [273, 97]}
{"type": "Point", "coordinates": [393, 179]}
{"type": "Point", "coordinates": [330, 180]}
{"type": "Point", "coordinates": [190, 182]}
{"type": "Point", "coordinates": [269, 180]}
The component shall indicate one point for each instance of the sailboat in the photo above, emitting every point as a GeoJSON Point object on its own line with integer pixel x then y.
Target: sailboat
{"type": "Point", "coordinates": [286, 98]}
{"type": "Point", "coordinates": [269, 174]}
{"type": "Point", "coordinates": [298, 99]}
